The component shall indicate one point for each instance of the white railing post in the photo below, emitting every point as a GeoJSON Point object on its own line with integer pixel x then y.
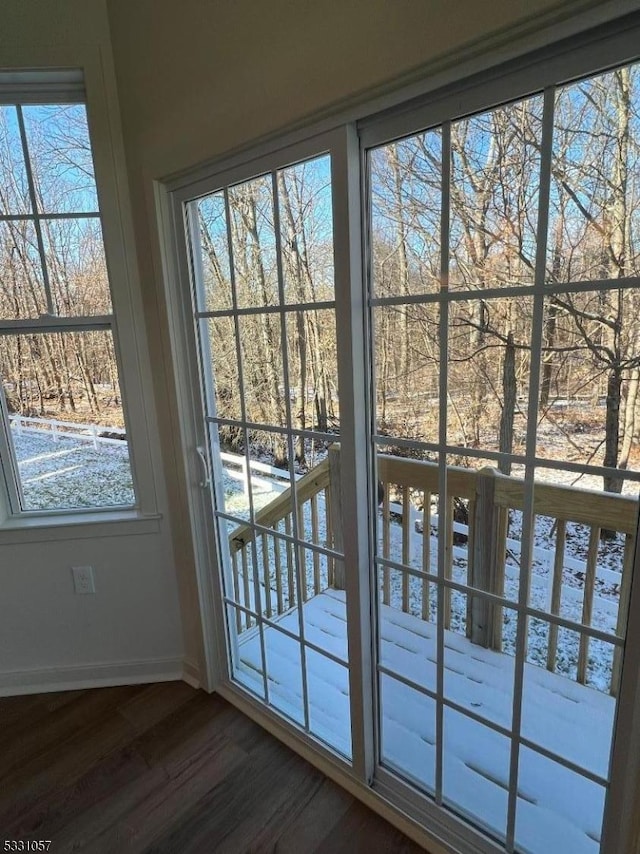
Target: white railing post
{"type": "Point", "coordinates": [244, 467]}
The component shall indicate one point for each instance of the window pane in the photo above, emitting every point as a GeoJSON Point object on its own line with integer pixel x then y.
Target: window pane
{"type": "Point", "coordinates": [254, 243]}
{"type": "Point", "coordinates": [76, 266]}
{"type": "Point", "coordinates": [476, 771]}
{"type": "Point", "coordinates": [408, 732]}
{"type": "Point", "coordinates": [590, 380]}
{"type": "Point", "coordinates": [494, 196]}
{"type": "Point", "coordinates": [571, 720]}
{"type": "Point", "coordinates": [489, 362]}
{"type": "Point", "coordinates": [306, 228]}
{"type": "Point", "coordinates": [329, 710]}
{"type": "Point", "coordinates": [407, 365]}
{"type": "Point", "coordinates": [246, 655]}
{"type": "Point", "coordinates": [14, 190]}
{"type": "Point", "coordinates": [595, 201]}
{"type": "Point", "coordinates": [214, 250]}
{"type": "Point", "coordinates": [66, 420]}
{"type": "Point", "coordinates": [263, 369]}
{"type": "Point", "coordinates": [284, 672]}
{"type": "Point", "coordinates": [313, 372]}
{"type": "Point", "coordinates": [22, 293]}
{"type": "Point", "coordinates": [60, 155]}
{"type": "Point", "coordinates": [406, 182]}
{"type": "Point", "coordinates": [218, 347]}
{"type": "Point", "coordinates": [555, 804]}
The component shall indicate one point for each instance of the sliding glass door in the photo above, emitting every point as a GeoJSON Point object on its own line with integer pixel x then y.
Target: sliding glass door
{"type": "Point", "coordinates": [412, 348]}
{"type": "Point", "coordinates": [505, 315]}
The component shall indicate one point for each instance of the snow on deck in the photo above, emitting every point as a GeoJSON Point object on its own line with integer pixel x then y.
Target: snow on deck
{"type": "Point", "coordinates": [557, 808]}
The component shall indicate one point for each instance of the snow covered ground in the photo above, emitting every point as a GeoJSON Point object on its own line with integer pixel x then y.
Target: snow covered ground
{"type": "Point", "coordinates": [68, 473]}
{"type": "Point", "coordinates": [556, 806]}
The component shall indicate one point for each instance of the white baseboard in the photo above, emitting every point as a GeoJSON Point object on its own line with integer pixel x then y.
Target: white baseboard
{"type": "Point", "coordinates": [191, 673]}
{"type": "Point", "coordinates": [81, 676]}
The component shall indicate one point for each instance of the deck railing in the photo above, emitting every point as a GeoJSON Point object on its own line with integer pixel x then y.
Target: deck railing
{"type": "Point", "coordinates": [488, 498]}
{"type": "Point", "coordinates": [317, 522]}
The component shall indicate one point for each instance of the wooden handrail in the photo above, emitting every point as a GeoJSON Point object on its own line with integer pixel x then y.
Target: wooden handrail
{"type": "Point", "coordinates": [311, 484]}
{"type": "Point", "coordinates": [569, 503]}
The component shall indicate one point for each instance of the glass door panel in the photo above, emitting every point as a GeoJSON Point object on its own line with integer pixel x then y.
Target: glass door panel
{"type": "Point", "coordinates": [264, 314]}
{"type": "Point", "coordinates": [504, 339]}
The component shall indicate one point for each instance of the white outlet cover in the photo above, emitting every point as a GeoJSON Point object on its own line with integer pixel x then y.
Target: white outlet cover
{"type": "Point", "coordinates": [83, 581]}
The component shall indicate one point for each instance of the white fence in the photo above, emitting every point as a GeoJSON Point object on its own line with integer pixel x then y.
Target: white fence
{"type": "Point", "coordinates": [238, 467]}
{"type": "Point", "coordinates": [67, 430]}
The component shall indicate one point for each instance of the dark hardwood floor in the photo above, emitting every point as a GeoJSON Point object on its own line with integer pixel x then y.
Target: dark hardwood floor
{"type": "Point", "coordinates": [165, 768]}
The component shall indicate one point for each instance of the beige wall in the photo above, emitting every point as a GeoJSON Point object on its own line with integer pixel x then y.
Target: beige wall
{"type": "Point", "coordinates": [198, 77]}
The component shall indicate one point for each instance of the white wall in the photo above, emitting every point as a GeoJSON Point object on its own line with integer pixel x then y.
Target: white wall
{"type": "Point", "coordinates": [131, 629]}
{"type": "Point", "coordinates": [51, 637]}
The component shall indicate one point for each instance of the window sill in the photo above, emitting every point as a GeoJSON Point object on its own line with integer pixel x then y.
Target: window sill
{"type": "Point", "coordinates": [117, 523]}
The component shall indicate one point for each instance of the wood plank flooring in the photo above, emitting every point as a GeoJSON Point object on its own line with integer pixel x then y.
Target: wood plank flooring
{"type": "Point", "coordinates": [165, 768]}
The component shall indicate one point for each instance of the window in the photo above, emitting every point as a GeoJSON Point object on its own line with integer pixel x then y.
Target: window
{"type": "Point", "coordinates": [63, 433]}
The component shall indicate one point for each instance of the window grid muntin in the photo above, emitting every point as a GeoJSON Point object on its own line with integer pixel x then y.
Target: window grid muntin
{"type": "Point", "coordinates": [271, 428]}
{"type": "Point", "coordinates": [443, 368]}
{"type": "Point", "coordinates": [210, 381]}
{"type": "Point", "coordinates": [552, 289]}
{"type": "Point", "coordinates": [540, 289]}
{"type": "Point", "coordinates": [290, 449]}
{"type": "Point", "coordinates": [510, 604]}
{"type": "Point", "coordinates": [502, 456]}
{"type": "Point", "coordinates": [528, 516]}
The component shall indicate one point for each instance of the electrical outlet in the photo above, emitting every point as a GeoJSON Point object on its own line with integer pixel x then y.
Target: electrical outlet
{"type": "Point", "coordinates": [83, 582]}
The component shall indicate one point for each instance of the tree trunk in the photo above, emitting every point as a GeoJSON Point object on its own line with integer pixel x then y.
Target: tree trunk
{"type": "Point", "coordinates": [630, 418]}
{"type": "Point", "coordinates": [612, 425]}
{"type": "Point", "coordinates": [508, 403]}
{"type": "Point", "coordinates": [403, 273]}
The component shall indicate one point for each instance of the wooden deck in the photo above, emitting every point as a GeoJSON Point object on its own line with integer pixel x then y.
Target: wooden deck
{"type": "Point", "coordinates": [164, 768]}
{"type": "Point", "coordinates": [568, 719]}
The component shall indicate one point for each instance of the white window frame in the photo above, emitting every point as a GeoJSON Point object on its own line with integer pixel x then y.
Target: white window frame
{"type": "Point", "coordinates": [69, 75]}
{"type": "Point", "coordinates": [448, 93]}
